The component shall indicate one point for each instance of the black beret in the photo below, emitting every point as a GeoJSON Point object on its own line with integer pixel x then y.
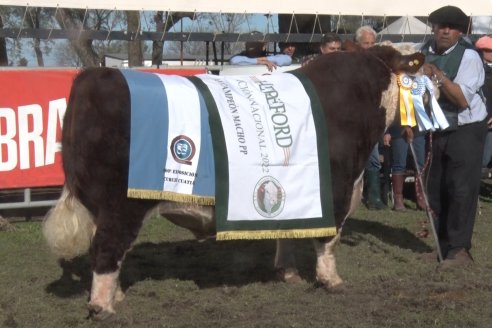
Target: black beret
{"type": "Point", "coordinates": [450, 15]}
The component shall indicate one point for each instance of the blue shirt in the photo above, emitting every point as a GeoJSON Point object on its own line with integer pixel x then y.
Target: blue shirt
{"type": "Point", "coordinates": [279, 60]}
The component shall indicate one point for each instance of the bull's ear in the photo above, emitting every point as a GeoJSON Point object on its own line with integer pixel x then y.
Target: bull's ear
{"type": "Point", "coordinates": [348, 45]}
{"type": "Point", "coordinates": [411, 63]}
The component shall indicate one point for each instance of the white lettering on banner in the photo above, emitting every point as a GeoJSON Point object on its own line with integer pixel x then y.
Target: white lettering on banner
{"type": "Point", "coordinates": [28, 126]}
{"type": "Point", "coordinates": [279, 118]}
{"type": "Point", "coordinates": [241, 137]}
{"type": "Point", "coordinates": [7, 141]}
{"type": "Point", "coordinates": [56, 112]}
{"type": "Point", "coordinates": [25, 136]}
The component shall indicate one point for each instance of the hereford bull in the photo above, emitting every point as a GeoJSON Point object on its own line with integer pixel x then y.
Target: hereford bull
{"type": "Point", "coordinates": [358, 93]}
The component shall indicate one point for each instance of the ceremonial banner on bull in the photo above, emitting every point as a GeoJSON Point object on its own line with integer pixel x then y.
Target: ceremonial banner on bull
{"type": "Point", "coordinates": [276, 182]}
{"type": "Point", "coordinates": [256, 147]}
{"type": "Point", "coordinates": [171, 153]}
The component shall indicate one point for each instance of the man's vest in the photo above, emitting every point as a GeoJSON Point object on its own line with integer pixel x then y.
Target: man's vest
{"type": "Point", "coordinates": [449, 63]}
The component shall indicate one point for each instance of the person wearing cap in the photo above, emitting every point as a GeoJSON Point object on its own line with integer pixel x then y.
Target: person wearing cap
{"type": "Point", "coordinates": [484, 44]}
{"type": "Point", "coordinates": [453, 181]}
{"type": "Point", "coordinates": [255, 53]}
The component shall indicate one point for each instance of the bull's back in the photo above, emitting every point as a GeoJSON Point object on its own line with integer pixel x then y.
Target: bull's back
{"type": "Point", "coordinates": [95, 137]}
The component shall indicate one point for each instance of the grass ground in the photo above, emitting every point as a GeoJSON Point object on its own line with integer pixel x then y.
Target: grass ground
{"type": "Point", "coordinates": [173, 281]}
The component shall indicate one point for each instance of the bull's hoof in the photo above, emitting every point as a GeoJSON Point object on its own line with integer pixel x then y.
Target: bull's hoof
{"type": "Point", "coordinates": [119, 295]}
{"type": "Point", "coordinates": [334, 284]}
{"type": "Point", "coordinates": [97, 313]}
{"type": "Point", "coordinates": [331, 288]}
{"type": "Point", "coordinates": [290, 276]}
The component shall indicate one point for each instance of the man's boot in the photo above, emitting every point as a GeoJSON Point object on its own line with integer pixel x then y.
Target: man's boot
{"type": "Point", "coordinates": [397, 180]}
{"type": "Point", "coordinates": [374, 201]}
{"type": "Point", "coordinates": [419, 195]}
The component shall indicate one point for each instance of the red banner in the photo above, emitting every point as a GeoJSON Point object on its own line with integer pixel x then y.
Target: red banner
{"type": "Point", "coordinates": [32, 105]}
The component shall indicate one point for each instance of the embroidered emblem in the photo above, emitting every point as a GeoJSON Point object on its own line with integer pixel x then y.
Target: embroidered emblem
{"type": "Point", "coordinates": [269, 197]}
{"type": "Point", "coordinates": [183, 149]}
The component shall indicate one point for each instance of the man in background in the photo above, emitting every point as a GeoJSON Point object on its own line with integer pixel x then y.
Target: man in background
{"type": "Point", "coordinates": [365, 37]}
{"type": "Point", "coordinates": [454, 176]}
{"type": "Point", "coordinates": [289, 49]}
{"type": "Point", "coordinates": [255, 53]}
{"type": "Point", "coordinates": [330, 43]}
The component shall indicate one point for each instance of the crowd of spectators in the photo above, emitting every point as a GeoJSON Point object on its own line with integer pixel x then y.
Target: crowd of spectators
{"type": "Point", "coordinates": [460, 156]}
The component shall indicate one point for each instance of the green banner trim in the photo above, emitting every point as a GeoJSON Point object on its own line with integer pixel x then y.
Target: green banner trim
{"type": "Point", "coordinates": [294, 228]}
{"type": "Point", "coordinates": [323, 148]}
{"type": "Point", "coordinates": [220, 152]}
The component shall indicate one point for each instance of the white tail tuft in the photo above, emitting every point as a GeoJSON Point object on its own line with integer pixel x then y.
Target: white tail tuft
{"type": "Point", "coordinates": [68, 227]}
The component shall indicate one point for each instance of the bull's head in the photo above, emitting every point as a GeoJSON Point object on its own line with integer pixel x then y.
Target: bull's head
{"type": "Point", "coordinates": [417, 96]}
{"type": "Point", "coordinates": [397, 63]}
{"type": "Point", "coordinates": [410, 91]}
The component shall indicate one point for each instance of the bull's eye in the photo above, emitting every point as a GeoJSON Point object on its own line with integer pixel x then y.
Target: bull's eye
{"type": "Point", "coordinates": [410, 63]}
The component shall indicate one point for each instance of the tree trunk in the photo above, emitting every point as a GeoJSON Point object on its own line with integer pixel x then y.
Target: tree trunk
{"type": "Point", "coordinates": [4, 58]}
{"type": "Point", "coordinates": [39, 53]}
{"type": "Point", "coordinates": [34, 24]}
{"type": "Point", "coordinates": [135, 53]}
{"type": "Point", "coordinates": [72, 19]}
{"type": "Point", "coordinates": [157, 46]}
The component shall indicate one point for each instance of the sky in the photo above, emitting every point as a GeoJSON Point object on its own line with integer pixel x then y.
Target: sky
{"type": "Point", "coordinates": [482, 25]}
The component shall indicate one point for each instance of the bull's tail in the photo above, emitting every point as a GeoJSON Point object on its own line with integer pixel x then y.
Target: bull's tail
{"type": "Point", "coordinates": [68, 227]}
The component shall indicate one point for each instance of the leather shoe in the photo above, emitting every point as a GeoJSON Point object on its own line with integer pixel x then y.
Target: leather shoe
{"type": "Point", "coordinates": [456, 258]}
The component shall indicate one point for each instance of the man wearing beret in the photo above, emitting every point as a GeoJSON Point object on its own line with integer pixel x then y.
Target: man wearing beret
{"type": "Point", "coordinates": [484, 44]}
{"type": "Point", "coordinates": [454, 176]}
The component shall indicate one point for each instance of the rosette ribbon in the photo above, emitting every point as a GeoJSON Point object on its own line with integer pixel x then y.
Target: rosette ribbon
{"type": "Point", "coordinates": [418, 90]}
{"type": "Point", "coordinates": [407, 110]}
{"type": "Point", "coordinates": [438, 118]}
{"type": "Point", "coordinates": [412, 109]}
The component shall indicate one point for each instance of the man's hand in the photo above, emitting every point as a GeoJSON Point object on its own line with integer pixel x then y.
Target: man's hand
{"type": "Point", "coordinates": [387, 139]}
{"type": "Point", "coordinates": [263, 60]}
{"type": "Point", "coordinates": [408, 134]}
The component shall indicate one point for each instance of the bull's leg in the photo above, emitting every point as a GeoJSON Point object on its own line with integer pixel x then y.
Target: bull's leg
{"type": "Point", "coordinates": [285, 262]}
{"type": "Point", "coordinates": [103, 294]}
{"type": "Point", "coordinates": [326, 272]}
{"type": "Point", "coordinates": [116, 231]}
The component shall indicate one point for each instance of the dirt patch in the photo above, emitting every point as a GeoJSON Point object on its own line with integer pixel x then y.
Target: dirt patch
{"type": "Point", "coordinates": [5, 225]}
{"type": "Point", "coordinates": [170, 280]}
